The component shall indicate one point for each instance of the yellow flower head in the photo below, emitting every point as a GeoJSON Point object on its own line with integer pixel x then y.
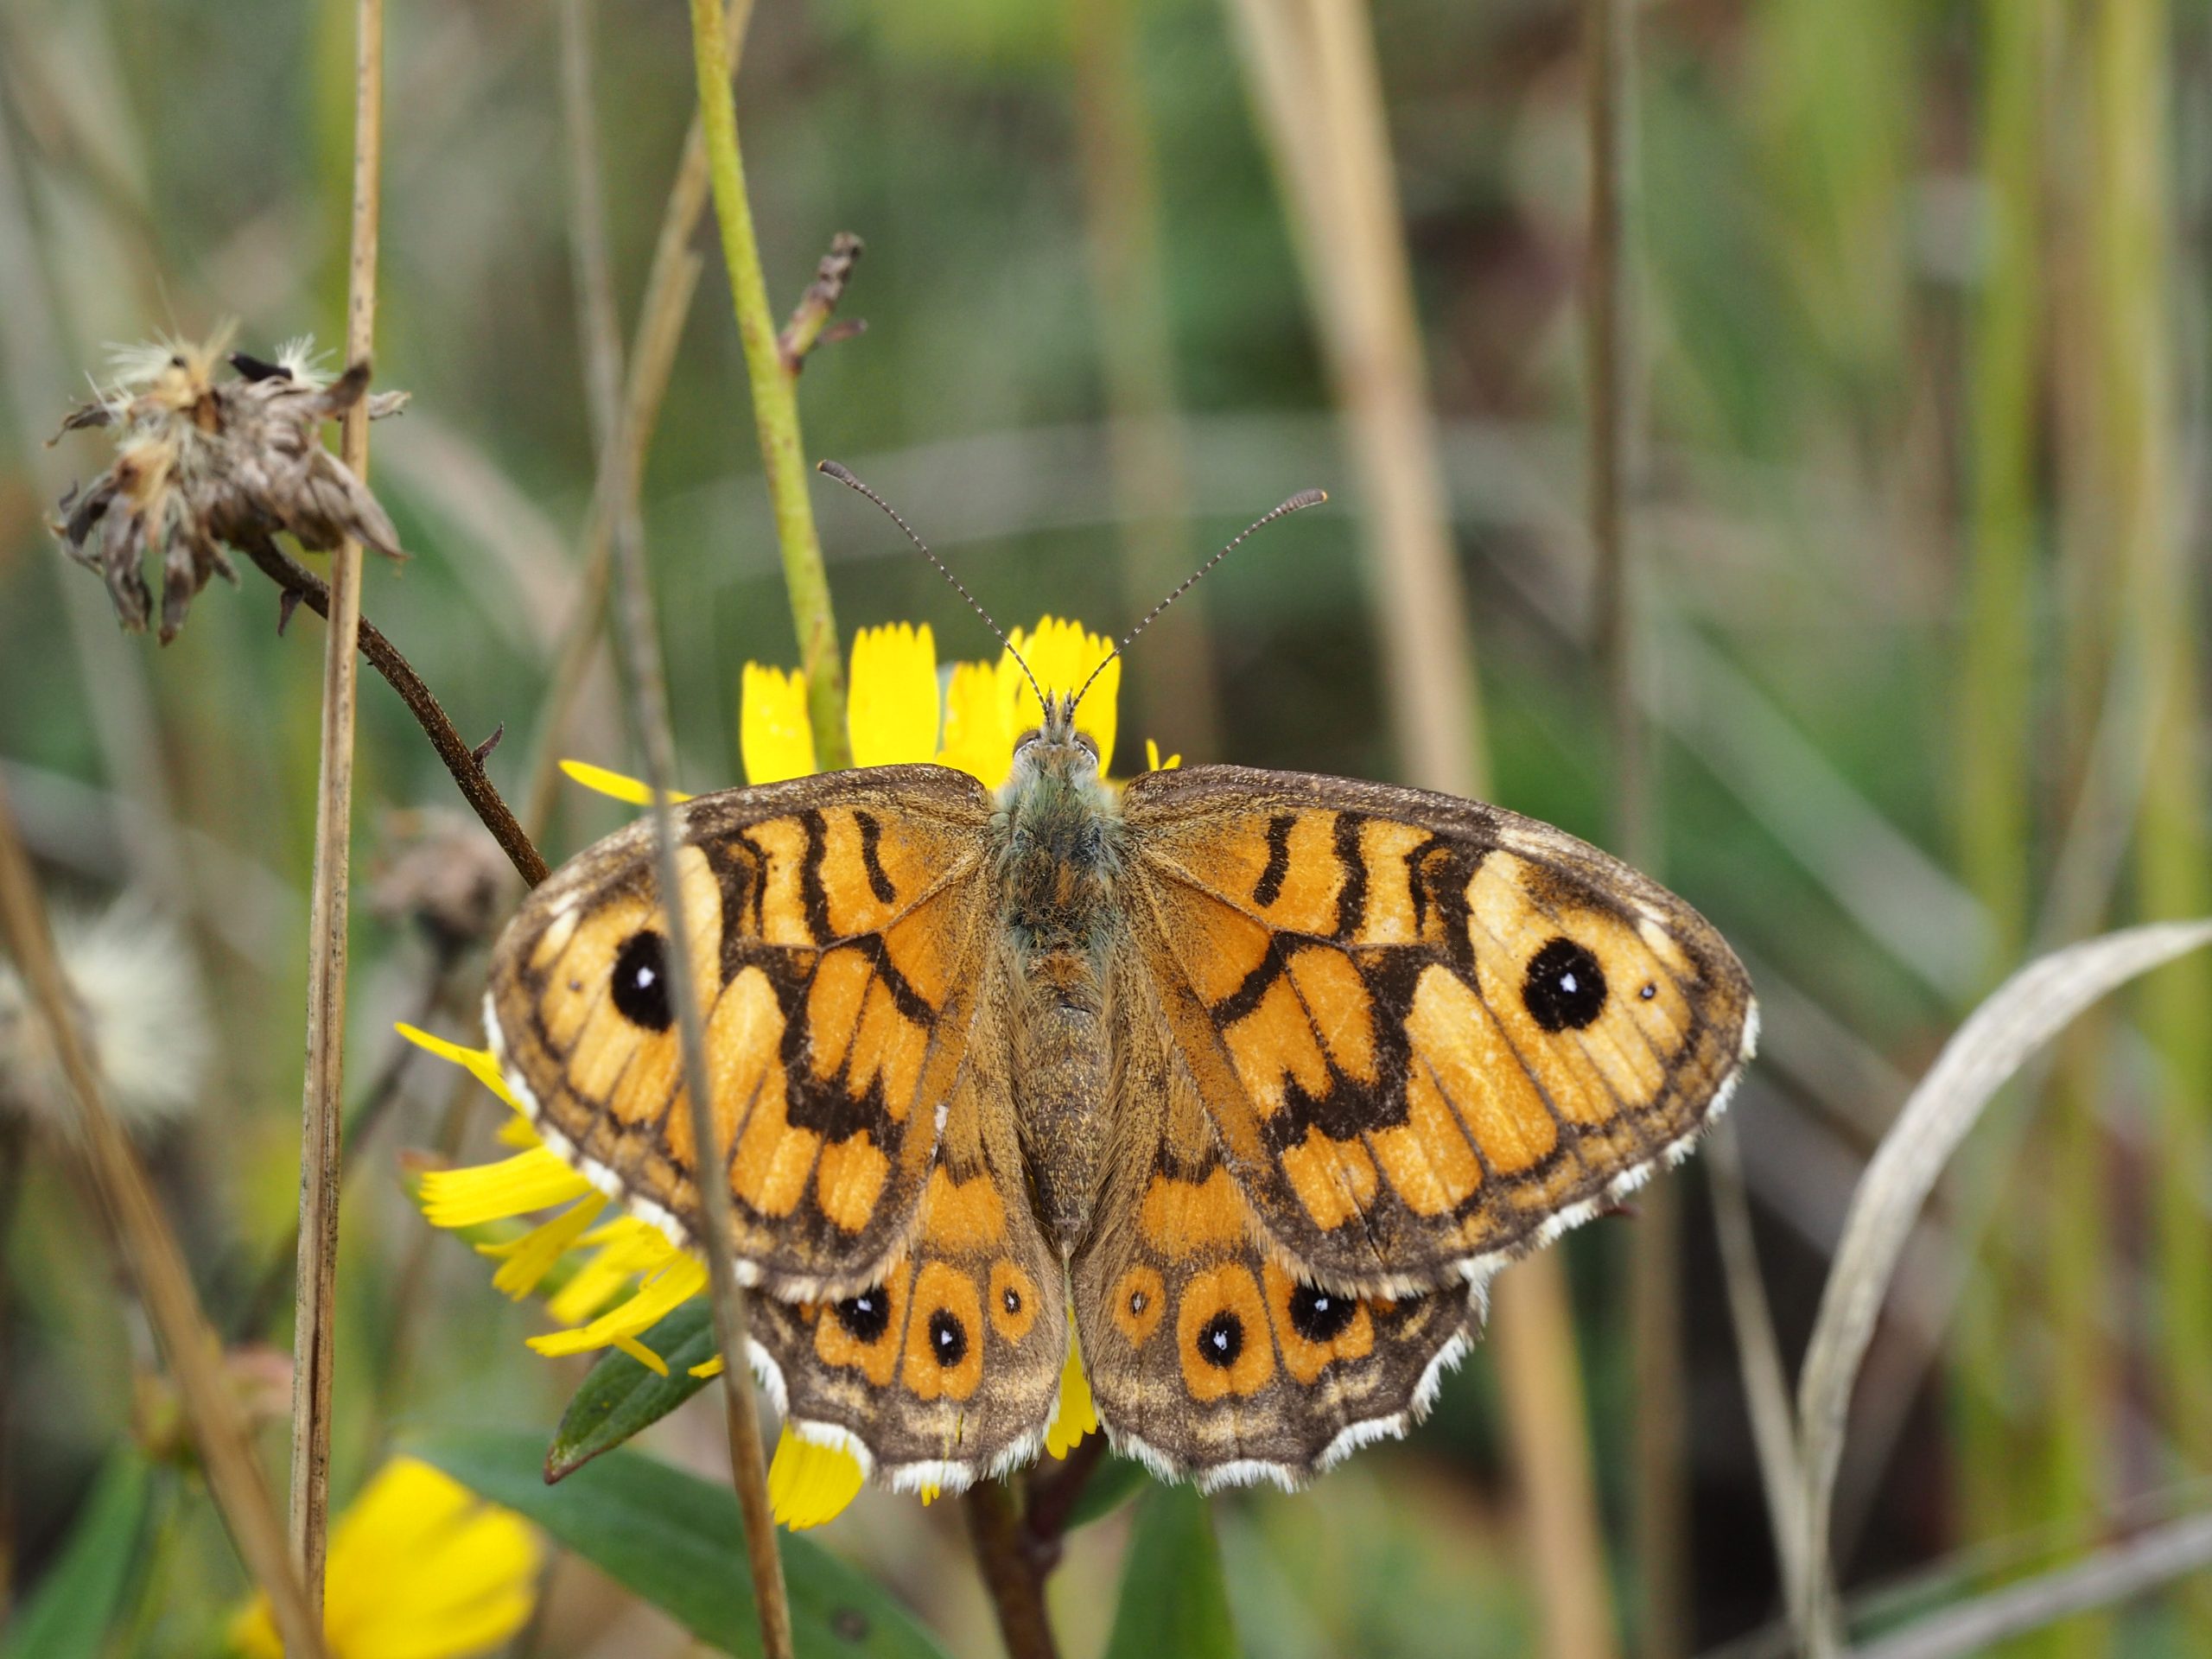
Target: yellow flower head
{"type": "Point", "coordinates": [419, 1568]}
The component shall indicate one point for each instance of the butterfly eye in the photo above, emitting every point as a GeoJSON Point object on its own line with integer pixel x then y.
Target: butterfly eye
{"type": "Point", "coordinates": [1027, 738]}
{"type": "Point", "coordinates": [1089, 745]}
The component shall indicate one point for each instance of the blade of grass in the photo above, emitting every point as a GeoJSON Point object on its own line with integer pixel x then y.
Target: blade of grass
{"type": "Point", "coordinates": [150, 1254]}
{"type": "Point", "coordinates": [2025, 1013]}
{"type": "Point", "coordinates": [314, 1285]}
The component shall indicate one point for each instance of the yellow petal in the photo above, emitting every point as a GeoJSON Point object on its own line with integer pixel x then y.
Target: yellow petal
{"type": "Point", "coordinates": [807, 1484]}
{"type": "Point", "coordinates": [514, 1186]}
{"type": "Point", "coordinates": [623, 1249]}
{"type": "Point", "coordinates": [419, 1568]}
{"type": "Point", "coordinates": [677, 1283]}
{"type": "Point", "coordinates": [708, 1367]}
{"type": "Point", "coordinates": [890, 697]}
{"type": "Point", "coordinates": [1061, 655]}
{"type": "Point", "coordinates": [1076, 1414]}
{"type": "Point", "coordinates": [775, 736]}
{"type": "Point", "coordinates": [1154, 763]}
{"type": "Point", "coordinates": [526, 1260]}
{"type": "Point", "coordinates": [479, 1061]}
{"type": "Point", "coordinates": [614, 784]}
{"type": "Point", "coordinates": [979, 713]}
{"type": "Point", "coordinates": [645, 1356]}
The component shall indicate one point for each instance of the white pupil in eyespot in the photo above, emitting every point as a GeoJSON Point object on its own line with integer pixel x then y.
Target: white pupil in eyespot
{"type": "Point", "coordinates": [1567, 983]}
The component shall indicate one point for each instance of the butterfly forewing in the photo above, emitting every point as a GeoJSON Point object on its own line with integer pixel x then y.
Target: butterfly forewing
{"type": "Point", "coordinates": [1427, 1033]}
{"type": "Point", "coordinates": [837, 925]}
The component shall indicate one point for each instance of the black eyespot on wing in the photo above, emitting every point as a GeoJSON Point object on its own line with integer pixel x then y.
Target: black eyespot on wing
{"type": "Point", "coordinates": [1565, 988]}
{"type": "Point", "coordinates": [864, 1316]}
{"type": "Point", "coordinates": [641, 981]}
{"type": "Point", "coordinates": [1011, 1299]}
{"type": "Point", "coordinates": [1320, 1315]}
{"type": "Point", "coordinates": [1648, 991]}
{"type": "Point", "coordinates": [1137, 1299]}
{"type": "Point", "coordinates": [1221, 1339]}
{"type": "Point", "coordinates": [948, 1339]}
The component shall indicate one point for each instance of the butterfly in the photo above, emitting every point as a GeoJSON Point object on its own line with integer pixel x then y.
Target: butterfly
{"type": "Point", "coordinates": [1256, 1078]}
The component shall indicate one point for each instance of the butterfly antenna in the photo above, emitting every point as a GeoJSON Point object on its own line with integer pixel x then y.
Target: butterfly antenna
{"type": "Point", "coordinates": [843, 475]}
{"type": "Point", "coordinates": [1298, 503]}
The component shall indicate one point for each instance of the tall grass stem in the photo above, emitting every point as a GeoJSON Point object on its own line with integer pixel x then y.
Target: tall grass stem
{"type": "Point", "coordinates": [322, 1101]}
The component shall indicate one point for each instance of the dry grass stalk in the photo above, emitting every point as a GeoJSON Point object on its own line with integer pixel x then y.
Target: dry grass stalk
{"type": "Point", "coordinates": [157, 1266]}
{"type": "Point", "coordinates": [315, 1286]}
{"type": "Point", "coordinates": [2028, 1011]}
{"type": "Point", "coordinates": [1311, 64]}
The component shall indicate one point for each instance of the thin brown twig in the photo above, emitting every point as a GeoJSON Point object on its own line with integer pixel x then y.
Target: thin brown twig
{"type": "Point", "coordinates": [315, 1289]}
{"type": "Point", "coordinates": [1011, 1570]}
{"type": "Point", "coordinates": [461, 757]}
{"type": "Point", "coordinates": [809, 323]}
{"type": "Point", "coordinates": [155, 1264]}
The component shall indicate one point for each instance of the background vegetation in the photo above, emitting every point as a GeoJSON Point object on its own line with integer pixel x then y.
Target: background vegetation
{"type": "Point", "coordinates": [1919, 339]}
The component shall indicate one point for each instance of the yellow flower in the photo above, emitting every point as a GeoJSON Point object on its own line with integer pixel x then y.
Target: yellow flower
{"type": "Point", "coordinates": [419, 1568]}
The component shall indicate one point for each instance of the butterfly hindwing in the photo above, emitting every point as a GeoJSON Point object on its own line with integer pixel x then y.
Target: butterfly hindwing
{"type": "Point", "coordinates": [838, 924]}
{"type": "Point", "coordinates": [1208, 1356]}
{"type": "Point", "coordinates": [1428, 1033]}
{"type": "Point", "coordinates": [949, 1365]}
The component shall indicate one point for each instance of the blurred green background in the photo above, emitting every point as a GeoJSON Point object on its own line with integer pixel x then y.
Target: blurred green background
{"type": "Point", "coordinates": [1919, 286]}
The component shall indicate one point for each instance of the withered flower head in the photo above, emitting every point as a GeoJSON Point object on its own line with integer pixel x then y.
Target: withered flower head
{"type": "Point", "coordinates": [202, 460]}
{"type": "Point", "coordinates": [441, 871]}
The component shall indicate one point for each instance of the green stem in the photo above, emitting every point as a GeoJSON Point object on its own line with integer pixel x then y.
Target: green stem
{"type": "Point", "coordinates": [775, 401]}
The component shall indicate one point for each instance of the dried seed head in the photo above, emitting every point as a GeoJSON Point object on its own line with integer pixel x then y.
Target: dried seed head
{"type": "Point", "coordinates": [441, 871]}
{"type": "Point", "coordinates": [204, 459]}
{"type": "Point", "coordinates": [140, 1010]}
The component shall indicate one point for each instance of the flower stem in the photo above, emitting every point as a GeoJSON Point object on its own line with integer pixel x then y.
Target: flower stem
{"type": "Point", "coordinates": [314, 1288]}
{"type": "Point", "coordinates": [149, 1251]}
{"type": "Point", "coordinates": [775, 401]}
{"type": "Point", "coordinates": [1011, 1571]}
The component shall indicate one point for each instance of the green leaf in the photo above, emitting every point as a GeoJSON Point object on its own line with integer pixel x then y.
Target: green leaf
{"type": "Point", "coordinates": [67, 1615]}
{"type": "Point", "coordinates": [1112, 1484]}
{"type": "Point", "coordinates": [621, 1397]}
{"type": "Point", "coordinates": [676, 1541]}
{"type": "Point", "coordinates": [1175, 1601]}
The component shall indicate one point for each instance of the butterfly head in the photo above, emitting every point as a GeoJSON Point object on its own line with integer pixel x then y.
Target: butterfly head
{"type": "Point", "coordinates": [1055, 749]}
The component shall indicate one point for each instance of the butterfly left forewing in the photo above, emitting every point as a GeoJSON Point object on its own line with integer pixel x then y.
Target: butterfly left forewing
{"type": "Point", "coordinates": [1428, 1033]}
{"type": "Point", "coordinates": [837, 924]}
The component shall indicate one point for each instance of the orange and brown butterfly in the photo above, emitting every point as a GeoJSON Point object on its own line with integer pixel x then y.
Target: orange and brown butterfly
{"type": "Point", "coordinates": [1256, 1078]}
